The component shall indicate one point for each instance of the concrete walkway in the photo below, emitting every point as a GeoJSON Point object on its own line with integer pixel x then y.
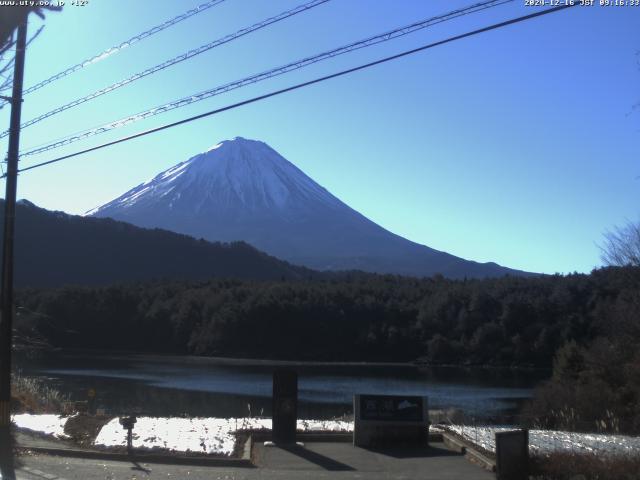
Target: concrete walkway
{"type": "Point", "coordinates": [315, 459]}
{"type": "Point", "coordinates": [346, 461]}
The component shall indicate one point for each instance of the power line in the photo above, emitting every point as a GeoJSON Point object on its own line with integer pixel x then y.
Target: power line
{"type": "Point", "coordinates": [398, 32]}
{"type": "Point", "coordinates": [172, 61]}
{"type": "Point", "coordinates": [280, 70]}
{"type": "Point", "coordinates": [302, 85]}
{"type": "Point", "coordinates": [127, 43]}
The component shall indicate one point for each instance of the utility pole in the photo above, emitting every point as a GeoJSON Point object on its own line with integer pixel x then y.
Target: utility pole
{"type": "Point", "coordinates": [6, 297]}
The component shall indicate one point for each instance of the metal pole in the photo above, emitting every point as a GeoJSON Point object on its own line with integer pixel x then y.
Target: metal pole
{"type": "Point", "coordinates": [6, 298]}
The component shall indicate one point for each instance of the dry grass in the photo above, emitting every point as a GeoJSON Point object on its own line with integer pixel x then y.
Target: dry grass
{"type": "Point", "coordinates": [29, 395]}
{"type": "Point", "coordinates": [83, 429]}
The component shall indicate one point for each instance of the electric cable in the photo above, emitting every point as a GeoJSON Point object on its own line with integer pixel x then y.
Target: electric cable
{"type": "Point", "coordinates": [127, 43]}
{"type": "Point", "coordinates": [304, 84]}
{"type": "Point", "coordinates": [374, 40]}
{"type": "Point", "coordinates": [173, 61]}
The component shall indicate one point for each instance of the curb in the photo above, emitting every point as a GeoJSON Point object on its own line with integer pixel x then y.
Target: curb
{"type": "Point", "coordinates": [248, 449]}
{"type": "Point", "coordinates": [244, 462]}
{"type": "Point", "coordinates": [470, 453]}
{"type": "Point", "coordinates": [338, 437]}
{"type": "Point", "coordinates": [481, 460]}
{"type": "Point", "coordinates": [453, 443]}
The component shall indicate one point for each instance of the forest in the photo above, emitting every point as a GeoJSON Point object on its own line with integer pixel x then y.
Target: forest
{"type": "Point", "coordinates": [583, 328]}
{"type": "Point", "coordinates": [510, 321]}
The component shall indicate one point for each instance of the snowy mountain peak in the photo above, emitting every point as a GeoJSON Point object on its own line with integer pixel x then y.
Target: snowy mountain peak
{"type": "Point", "coordinates": [237, 172]}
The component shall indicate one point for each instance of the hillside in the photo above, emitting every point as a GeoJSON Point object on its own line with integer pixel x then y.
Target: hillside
{"type": "Point", "coordinates": [54, 248]}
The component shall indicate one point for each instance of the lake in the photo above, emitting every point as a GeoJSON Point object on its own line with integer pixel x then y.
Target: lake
{"type": "Point", "coordinates": [199, 386]}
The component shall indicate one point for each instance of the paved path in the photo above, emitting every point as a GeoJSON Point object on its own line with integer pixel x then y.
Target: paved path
{"type": "Point", "coordinates": [343, 460]}
{"type": "Point", "coordinates": [322, 460]}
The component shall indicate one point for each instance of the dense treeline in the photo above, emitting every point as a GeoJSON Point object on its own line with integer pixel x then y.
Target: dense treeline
{"type": "Point", "coordinates": [506, 321]}
{"type": "Point", "coordinates": [596, 384]}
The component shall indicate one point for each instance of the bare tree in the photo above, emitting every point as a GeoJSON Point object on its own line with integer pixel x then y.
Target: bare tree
{"type": "Point", "coordinates": [621, 246]}
{"type": "Point", "coordinates": [6, 65]}
{"type": "Point", "coordinates": [10, 18]}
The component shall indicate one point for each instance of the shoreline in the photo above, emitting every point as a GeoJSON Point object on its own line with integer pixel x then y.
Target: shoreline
{"type": "Point", "coordinates": [265, 362]}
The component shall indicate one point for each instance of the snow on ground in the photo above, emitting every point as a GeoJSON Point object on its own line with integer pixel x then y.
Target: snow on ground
{"type": "Point", "coordinates": [48, 424]}
{"type": "Point", "coordinates": [324, 426]}
{"type": "Point", "coordinates": [547, 441]}
{"type": "Point", "coordinates": [204, 435]}
{"type": "Point", "coordinates": [216, 435]}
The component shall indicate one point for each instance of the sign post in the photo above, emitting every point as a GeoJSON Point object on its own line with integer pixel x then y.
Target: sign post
{"type": "Point", "coordinates": [91, 401]}
{"type": "Point", "coordinates": [512, 455]}
{"type": "Point", "coordinates": [6, 297]}
{"type": "Point", "coordinates": [128, 423]}
{"type": "Point", "coordinates": [285, 406]}
{"type": "Point", "coordinates": [385, 419]}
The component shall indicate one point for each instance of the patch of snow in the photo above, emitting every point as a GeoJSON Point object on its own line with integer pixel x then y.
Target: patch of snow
{"type": "Point", "coordinates": [324, 426]}
{"type": "Point", "coordinates": [88, 213]}
{"type": "Point", "coordinates": [239, 424]}
{"type": "Point", "coordinates": [204, 435]}
{"type": "Point", "coordinates": [132, 198]}
{"type": "Point", "coordinates": [48, 424]}
{"type": "Point", "coordinates": [167, 192]}
{"type": "Point", "coordinates": [175, 171]}
{"type": "Point", "coordinates": [543, 442]}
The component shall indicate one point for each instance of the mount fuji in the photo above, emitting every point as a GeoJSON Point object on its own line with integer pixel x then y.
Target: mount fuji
{"type": "Point", "coordinates": [244, 190]}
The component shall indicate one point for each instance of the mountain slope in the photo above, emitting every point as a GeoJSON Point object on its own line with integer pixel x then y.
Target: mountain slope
{"type": "Point", "coordinates": [53, 248]}
{"type": "Point", "coordinates": [244, 190]}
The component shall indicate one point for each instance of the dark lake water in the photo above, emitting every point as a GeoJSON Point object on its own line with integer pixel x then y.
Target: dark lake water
{"type": "Point", "coordinates": [196, 386]}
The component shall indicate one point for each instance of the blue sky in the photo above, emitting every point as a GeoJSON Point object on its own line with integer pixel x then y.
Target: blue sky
{"type": "Point", "coordinates": [519, 146]}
